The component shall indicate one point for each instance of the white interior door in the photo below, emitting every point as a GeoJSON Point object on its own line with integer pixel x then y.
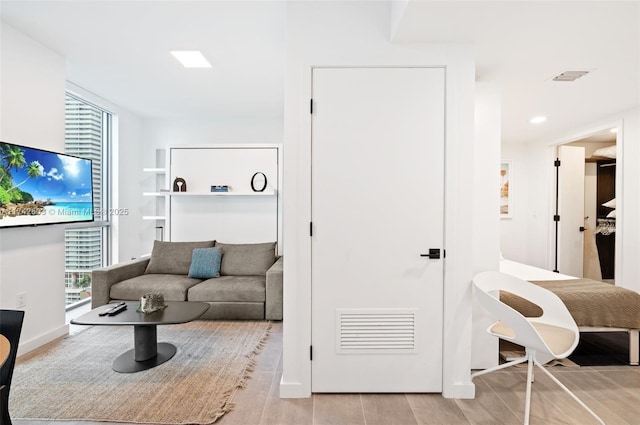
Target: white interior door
{"type": "Point", "coordinates": [377, 205]}
{"type": "Point", "coordinates": [571, 210]}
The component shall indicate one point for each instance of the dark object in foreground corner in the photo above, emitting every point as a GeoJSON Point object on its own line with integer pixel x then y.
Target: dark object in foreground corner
{"type": "Point", "coordinates": [10, 327]}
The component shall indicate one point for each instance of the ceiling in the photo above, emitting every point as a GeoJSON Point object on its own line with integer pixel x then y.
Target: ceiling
{"type": "Point", "coordinates": [522, 45]}
{"type": "Point", "coordinates": [120, 50]}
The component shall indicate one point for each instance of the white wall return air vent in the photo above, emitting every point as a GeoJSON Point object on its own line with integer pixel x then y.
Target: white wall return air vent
{"type": "Point", "coordinates": [376, 331]}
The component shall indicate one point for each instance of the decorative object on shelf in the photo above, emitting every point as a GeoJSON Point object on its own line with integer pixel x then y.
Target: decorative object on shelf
{"type": "Point", "coordinates": [161, 232]}
{"type": "Point", "coordinates": [151, 302]}
{"type": "Point", "coordinates": [179, 185]}
{"type": "Point", "coordinates": [220, 188]}
{"type": "Point", "coordinates": [258, 182]}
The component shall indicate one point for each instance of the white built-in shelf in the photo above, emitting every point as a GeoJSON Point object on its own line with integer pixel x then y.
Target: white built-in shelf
{"type": "Point", "coordinates": [265, 193]}
{"type": "Point", "coordinates": [155, 170]}
{"type": "Point", "coordinates": [154, 217]}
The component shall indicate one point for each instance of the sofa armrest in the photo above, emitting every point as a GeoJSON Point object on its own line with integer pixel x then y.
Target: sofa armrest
{"type": "Point", "coordinates": [273, 302]}
{"type": "Point", "coordinates": [102, 279]}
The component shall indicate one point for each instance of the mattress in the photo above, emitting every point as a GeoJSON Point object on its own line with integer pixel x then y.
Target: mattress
{"type": "Point", "coordinates": [591, 303]}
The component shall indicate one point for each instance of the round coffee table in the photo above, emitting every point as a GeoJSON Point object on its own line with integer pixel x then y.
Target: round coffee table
{"type": "Point", "coordinates": [146, 352]}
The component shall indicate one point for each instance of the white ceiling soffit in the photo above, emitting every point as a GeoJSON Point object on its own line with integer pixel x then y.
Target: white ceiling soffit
{"type": "Point", "coordinates": [522, 45]}
{"type": "Point", "coordinates": [603, 137]}
{"type": "Point", "coordinates": [120, 51]}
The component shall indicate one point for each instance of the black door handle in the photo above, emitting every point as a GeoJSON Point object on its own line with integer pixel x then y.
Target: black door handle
{"type": "Point", "coordinates": [434, 253]}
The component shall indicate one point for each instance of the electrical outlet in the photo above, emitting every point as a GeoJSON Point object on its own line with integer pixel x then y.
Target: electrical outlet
{"type": "Point", "coordinates": [21, 300]}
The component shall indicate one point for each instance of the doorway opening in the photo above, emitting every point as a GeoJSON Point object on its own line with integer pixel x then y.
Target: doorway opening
{"type": "Point", "coordinates": [586, 206]}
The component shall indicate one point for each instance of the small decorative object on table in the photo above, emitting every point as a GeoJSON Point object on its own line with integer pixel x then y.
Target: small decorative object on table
{"type": "Point", "coordinates": [220, 188]}
{"type": "Point", "coordinates": [151, 302]}
{"type": "Point", "coordinates": [258, 182]}
{"type": "Point", "coordinates": [179, 185]}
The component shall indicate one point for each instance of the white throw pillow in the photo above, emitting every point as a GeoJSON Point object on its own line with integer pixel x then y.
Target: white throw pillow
{"type": "Point", "coordinates": [610, 204]}
{"type": "Point", "coordinates": [612, 214]}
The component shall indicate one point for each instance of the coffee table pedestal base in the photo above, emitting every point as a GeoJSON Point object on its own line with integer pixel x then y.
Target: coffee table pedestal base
{"type": "Point", "coordinates": [147, 352]}
{"type": "Point", "coordinates": [126, 363]}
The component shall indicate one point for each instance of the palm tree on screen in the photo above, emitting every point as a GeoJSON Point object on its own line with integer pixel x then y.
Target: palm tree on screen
{"type": "Point", "coordinates": [12, 156]}
{"type": "Point", "coordinates": [34, 169]}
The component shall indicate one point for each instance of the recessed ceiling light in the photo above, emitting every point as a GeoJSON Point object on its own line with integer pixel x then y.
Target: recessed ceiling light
{"type": "Point", "coordinates": [537, 120]}
{"type": "Point", "coordinates": [191, 58]}
{"type": "Point", "coordinates": [614, 130]}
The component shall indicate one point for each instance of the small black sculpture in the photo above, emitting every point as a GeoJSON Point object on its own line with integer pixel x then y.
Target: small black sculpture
{"type": "Point", "coordinates": [179, 185]}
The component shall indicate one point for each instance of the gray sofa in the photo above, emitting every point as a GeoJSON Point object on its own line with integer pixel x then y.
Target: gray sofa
{"type": "Point", "coordinates": [249, 286]}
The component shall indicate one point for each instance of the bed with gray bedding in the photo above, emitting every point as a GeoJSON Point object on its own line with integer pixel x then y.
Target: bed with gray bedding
{"type": "Point", "coordinates": [595, 306]}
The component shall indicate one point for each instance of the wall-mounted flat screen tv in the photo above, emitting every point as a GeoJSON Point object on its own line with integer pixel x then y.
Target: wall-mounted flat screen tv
{"type": "Point", "coordinates": [41, 187]}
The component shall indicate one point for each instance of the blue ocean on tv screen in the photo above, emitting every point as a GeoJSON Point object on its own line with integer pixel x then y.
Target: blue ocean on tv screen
{"type": "Point", "coordinates": [72, 210]}
{"type": "Point", "coordinates": [42, 187]}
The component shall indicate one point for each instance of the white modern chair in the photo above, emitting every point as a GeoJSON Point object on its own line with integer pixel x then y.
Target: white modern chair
{"type": "Point", "coordinates": [553, 335]}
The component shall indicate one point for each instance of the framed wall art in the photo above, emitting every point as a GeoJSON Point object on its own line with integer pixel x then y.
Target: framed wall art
{"type": "Point", "coordinates": [506, 197]}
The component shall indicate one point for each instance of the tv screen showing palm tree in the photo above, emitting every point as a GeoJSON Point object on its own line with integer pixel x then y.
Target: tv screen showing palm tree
{"type": "Point", "coordinates": [42, 187]}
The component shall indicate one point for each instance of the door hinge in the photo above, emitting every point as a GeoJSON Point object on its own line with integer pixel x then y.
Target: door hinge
{"type": "Point", "coordinates": [311, 228]}
{"type": "Point", "coordinates": [556, 217]}
{"type": "Point", "coordinates": [556, 163]}
{"type": "Point", "coordinates": [311, 106]}
{"type": "Point", "coordinates": [311, 352]}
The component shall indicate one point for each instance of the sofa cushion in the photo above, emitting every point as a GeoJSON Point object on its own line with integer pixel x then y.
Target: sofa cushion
{"type": "Point", "coordinates": [173, 287]}
{"type": "Point", "coordinates": [173, 257]}
{"type": "Point", "coordinates": [229, 288]}
{"type": "Point", "coordinates": [205, 263]}
{"type": "Point", "coordinates": [247, 259]}
{"type": "Point", "coordinates": [243, 310]}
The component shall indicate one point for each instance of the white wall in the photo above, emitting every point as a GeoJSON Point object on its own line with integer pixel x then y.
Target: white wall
{"type": "Point", "coordinates": [159, 133]}
{"type": "Point", "coordinates": [487, 136]}
{"type": "Point", "coordinates": [356, 34]}
{"type": "Point", "coordinates": [32, 90]}
{"type": "Point", "coordinates": [528, 237]}
{"type": "Point", "coordinates": [32, 82]}
{"type": "Point", "coordinates": [514, 231]}
{"type": "Point", "coordinates": [486, 220]}
{"type": "Point", "coordinates": [628, 241]}
{"type": "Point", "coordinates": [127, 156]}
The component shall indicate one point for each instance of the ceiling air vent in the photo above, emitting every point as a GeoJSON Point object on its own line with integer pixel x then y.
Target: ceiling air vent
{"type": "Point", "coordinates": [570, 75]}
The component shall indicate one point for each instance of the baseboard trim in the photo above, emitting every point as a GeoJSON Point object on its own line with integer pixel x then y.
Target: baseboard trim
{"type": "Point", "coordinates": [37, 342]}
{"type": "Point", "coordinates": [462, 391]}
{"type": "Point", "coordinates": [293, 390]}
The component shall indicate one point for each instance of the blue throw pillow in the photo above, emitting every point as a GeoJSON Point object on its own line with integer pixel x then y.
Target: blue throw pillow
{"type": "Point", "coordinates": [205, 263]}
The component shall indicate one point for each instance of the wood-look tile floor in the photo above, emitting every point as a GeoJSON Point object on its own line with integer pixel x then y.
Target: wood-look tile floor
{"type": "Point", "coordinates": [613, 392]}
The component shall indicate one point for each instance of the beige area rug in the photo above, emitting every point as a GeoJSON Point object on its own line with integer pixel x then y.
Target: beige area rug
{"type": "Point", "coordinates": [74, 381]}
